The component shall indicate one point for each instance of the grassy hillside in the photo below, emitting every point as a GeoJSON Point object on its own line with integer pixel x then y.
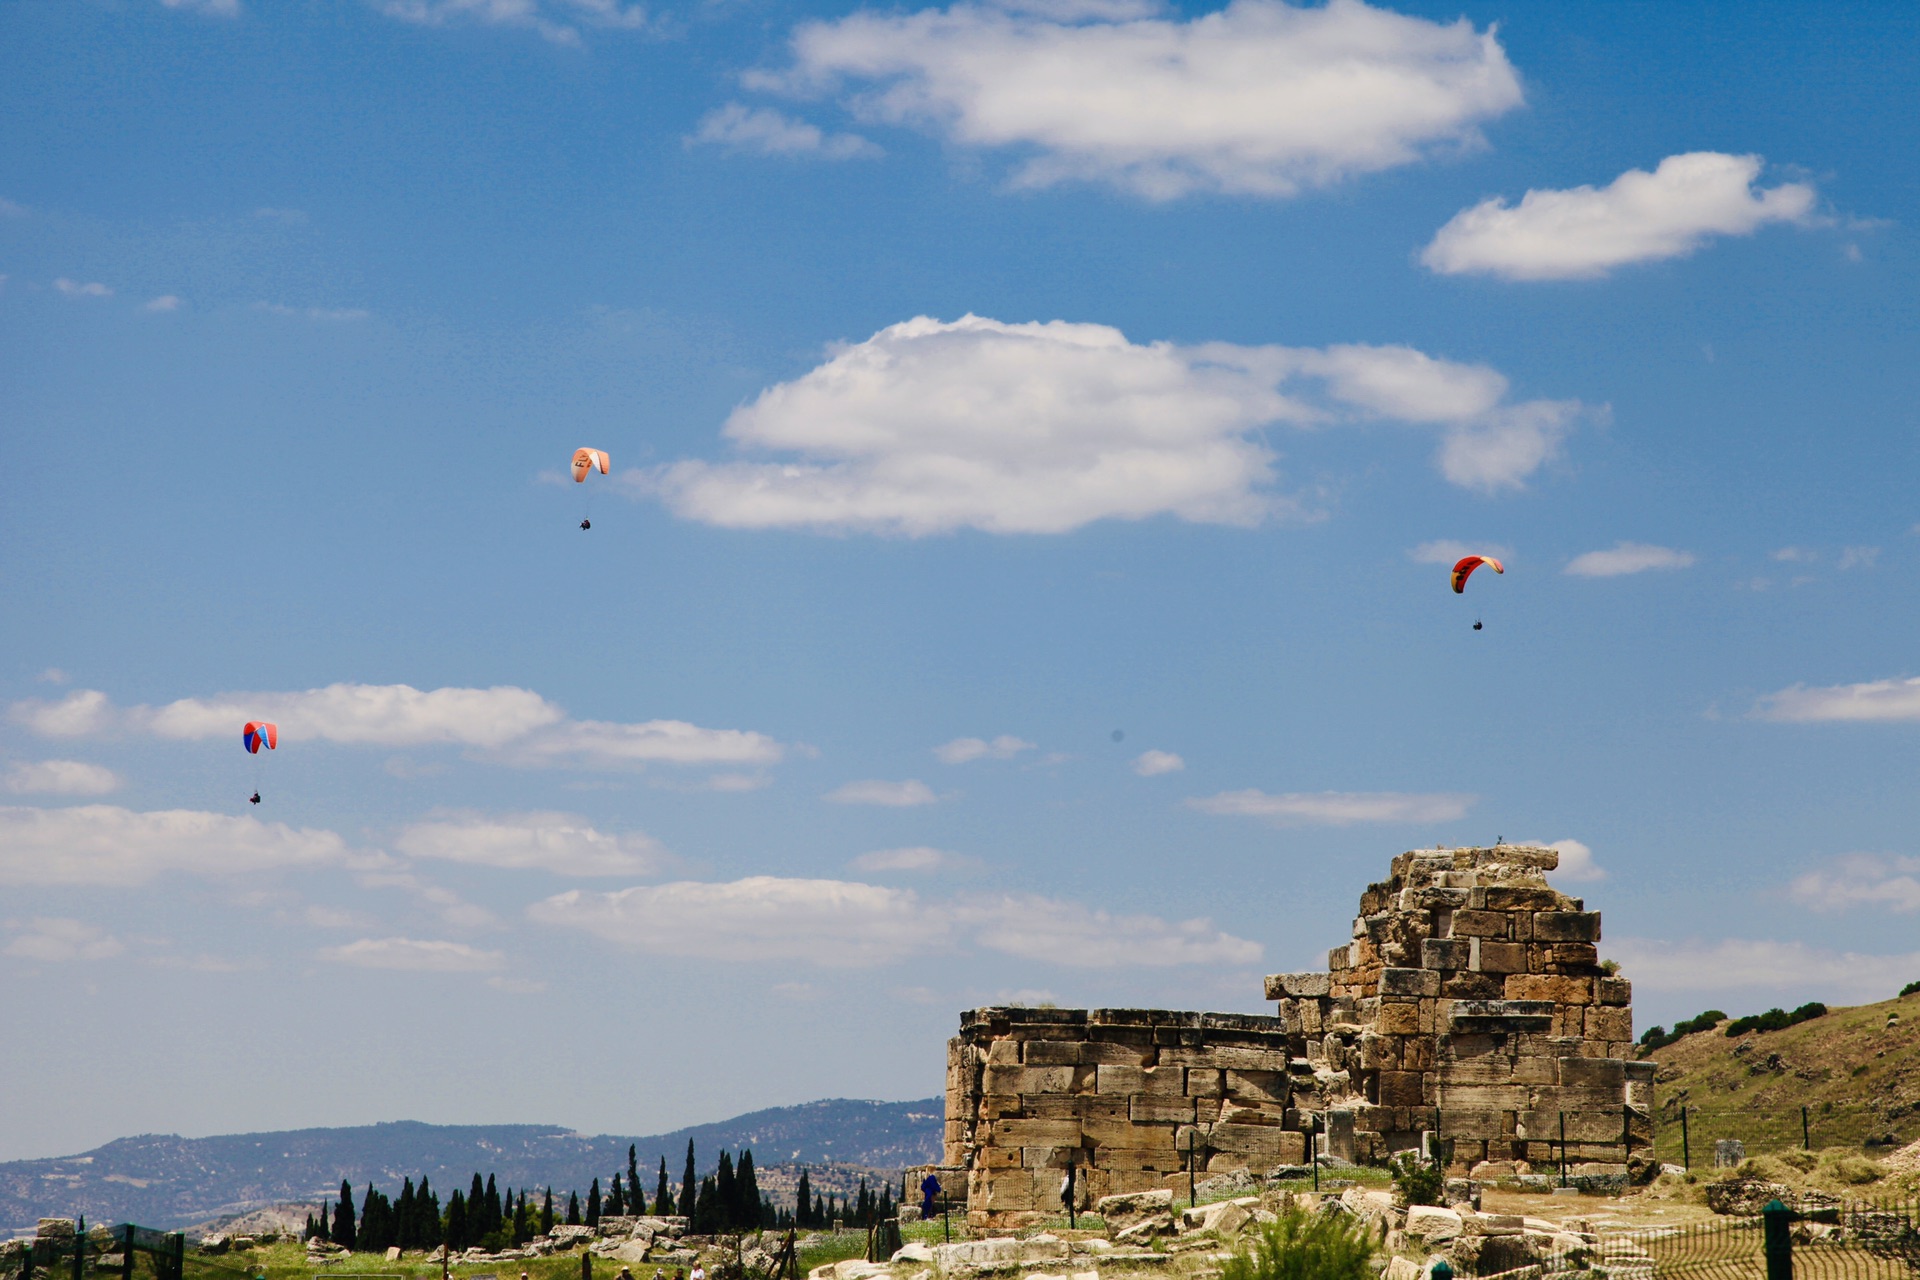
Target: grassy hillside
{"type": "Point", "coordinates": [1856, 1071]}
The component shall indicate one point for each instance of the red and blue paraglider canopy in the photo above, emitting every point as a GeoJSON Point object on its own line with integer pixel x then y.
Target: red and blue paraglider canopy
{"type": "Point", "coordinates": [258, 734]}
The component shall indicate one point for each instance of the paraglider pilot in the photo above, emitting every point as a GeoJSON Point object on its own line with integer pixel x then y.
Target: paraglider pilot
{"type": "Point", "coordinates": [586, 524]}
{"type": "Point", "coordinates": [254, 798]}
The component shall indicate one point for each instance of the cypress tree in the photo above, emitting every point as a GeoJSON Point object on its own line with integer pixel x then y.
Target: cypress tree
{"type": "Point", "coordinates": [307, 1232]}
{"type": "Point", "coordinates": [802, 1203]}
{"type": "Point", "coordinates": [593, 1204]}
{"type": "Point", "coordinates": [495, 1214]}
{"type": "Point", "coordinates": [617, 1198]}
{"type": "Point", "coordinates": [663, 1198]}
{"type": "Point", "coordinates": [323, 1225]}
{"type": "Point", "coordinates": [573, 1208]}
{"type": "Point", "coordinates": [635, 1193]}
{"type": "Point", "coordinates": [546, 1213]}
{"type": "Point", "coordinates": [726, 1209]}
{"type": "Point", "coordinates": [751, 1215]}
{"type": "Point", "coordinates": [343, 1234]}
{"type": "Point", "coordinates": [403, 1215]}
{"type": "Point", "coordinates": [522, 1229]}
{"type": "Point", "coordinates": [476, 1213]}
{"type": "Point", "coordinates": [426, 1215]}
{"type": "Point", "coordinates": [455, 1234]}
{"type": "Point", "coordinates": [689, 1193]}
{"type": "Point", "coordinates": [708, 1209]}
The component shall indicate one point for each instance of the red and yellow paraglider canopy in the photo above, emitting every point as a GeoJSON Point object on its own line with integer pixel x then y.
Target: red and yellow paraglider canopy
{"type": "Point", "coordinates": [1463, 569]}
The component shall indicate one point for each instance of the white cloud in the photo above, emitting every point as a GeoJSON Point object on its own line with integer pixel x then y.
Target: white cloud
{"type": "Point", "coordinates": [59, 940]}
{"type": "Point", "coordinates": [1337, 808]}
{"type": "Point", "coordinates": [555, 842]}
{"type": "Point", "coordinates": [325, 917]}
{"type": "Point", "coordinates": [1876, 700]}
{"type": "Point", "coordinates": [11, 209]}
{"type": "Point", "coordinates": [217, 8]}
{"type": "Point", "coordinates": [109, 846]}
{"type": "Point", "coordinates": [931, 426]}
{"type": "Point", "coordinates": [555, 20]}
{"type": "Point", "coordinates": [846, 923]}
{"type": "Point", "coordinates": [414, 955]}
{"type": "Point", "coordinates": [60, 778]}
{"type": "Point", "coordinates": [165, 302]}
{"type": "Point", "coordinates": [913, 858]}
{"type": "Point", "coordinates": [313, 313]}
{"type": "Point", "coordinates": [74, 289]}
{"type": "Point", "coordinates": [1576, 861]}
{"type": "Point", "coordinates": [1858, 557]}
{"type": "Point", "coordinates": [1796, 555]}
{"type": "Point", "coordinates": [52, 675]}
{"type": "Point", "coordinates": [1742, 964]}
{"type": "Point", "coordinates": [877, 791]}
{"type": "Point", "coordinates": [452, 909]}
{"type": "Point", "coordinates": [1057, 932]}
{"type": "Point", "coordinates": [1448, 551]}
{"type": "Point", "coordinates": [1640, 217]}
{"type": "Point", "coordinates": [1627, 557]}
{"type": "Point", "coordinates": [774, 133]}
{"type": "Point", "coordinates": [1258, 98]}
{"type": "Point", "coordinates": [963, 750]}
{"type": "Point", "coordinates": [831, 922]}
{"type": "Point", "coordinates": [1151, 764]}
{"type": "Point", "coordinates": [1861, 880]}
{"type": "Point", "coordinates": [517, 725]}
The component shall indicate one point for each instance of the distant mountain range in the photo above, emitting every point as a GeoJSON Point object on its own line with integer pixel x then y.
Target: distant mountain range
{"type": "Point", "coordinates": [161, 1180]}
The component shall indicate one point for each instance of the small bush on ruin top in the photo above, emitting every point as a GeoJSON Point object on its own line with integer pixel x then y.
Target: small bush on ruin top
{"type": "Point", "coordinates": [1416, 1181]}
{"type": "Point", "coordinates": [1303, 1246]}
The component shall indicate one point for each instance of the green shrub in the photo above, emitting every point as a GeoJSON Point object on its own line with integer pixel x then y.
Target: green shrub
{"type": "Point", "coordinates": [1304, 1246]}
{"type": "Point", "coordinates": [1660, 1037]}
{"type": "Point", "coordinates": [1416, 1181]}
{"type": "Point", "coordinates": [1855, 1171]}
{"type": "Point", "coordinates": [1776, 1019]}
{"type": "Point", "coordinates": [1910, 988]}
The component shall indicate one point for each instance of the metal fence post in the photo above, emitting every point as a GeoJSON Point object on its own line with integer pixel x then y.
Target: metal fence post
{"type": "Point", "coordinates": [1778, 1220]}
{"type": "Point", "coordinates": [80, 1247]}
{"type": "Point", "coordinates": [1686, 1152]}
{"type": "Point", "coordinates": [1806, 1131]}
{"type": "Point", "coordinates": [1313, 1153]}
{"type": "Point", "coordinates": [1563, 1148]}
{"type": "Point", "coordinates": [126, 1254]}
{"type": "Point", "coordinates": [178, 1262]}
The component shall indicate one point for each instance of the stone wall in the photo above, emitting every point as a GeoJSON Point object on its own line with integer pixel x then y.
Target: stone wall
{"type": "Point", "coordinates": [1470, 1001]}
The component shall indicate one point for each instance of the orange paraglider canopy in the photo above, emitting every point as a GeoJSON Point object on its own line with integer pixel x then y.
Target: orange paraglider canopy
{"type": "Point", "coordinates": [1464, 567]}
{"type": "Point", "coordinates": [258, 734]}
{"type": "Point", "coordinates": [585, 460]}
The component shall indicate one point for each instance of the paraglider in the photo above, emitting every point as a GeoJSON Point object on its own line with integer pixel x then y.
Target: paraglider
{"type": "Point", "coordinates": [1463, 569]}
{"type": "Point", "coordinates": [584, 461]}
{"type": "Point", "coordinates": [256, 736]}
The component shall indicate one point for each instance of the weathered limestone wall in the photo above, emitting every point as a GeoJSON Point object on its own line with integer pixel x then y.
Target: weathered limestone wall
{"type": "Point", "coordinates": [1470, 1001]}
{"type": "Point", "coordinates": [1116, 1093]}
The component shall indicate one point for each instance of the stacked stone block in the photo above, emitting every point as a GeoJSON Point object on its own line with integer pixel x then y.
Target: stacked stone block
{"type": "Point", "coordinates": [1122, 1095]}
{"type": "Point", "coordinates": [1470, 1001]}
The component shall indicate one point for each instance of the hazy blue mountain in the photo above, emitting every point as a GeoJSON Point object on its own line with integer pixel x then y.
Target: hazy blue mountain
{"type": "Point", "coordinates": [162, 1180]}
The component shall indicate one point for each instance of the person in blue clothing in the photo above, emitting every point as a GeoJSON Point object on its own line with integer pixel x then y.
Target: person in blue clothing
{"type": "Point", "coordinates": [929, 1188]}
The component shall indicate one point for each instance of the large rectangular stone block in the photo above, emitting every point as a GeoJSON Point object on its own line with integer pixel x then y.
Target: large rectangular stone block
{"type": "Point", "coordinates": [1446, 953]}
{"type": "Point", "coordinates": [1409, 982]}
{"type": "Point", "coordinates": [1602, 1073]}
{"type": "Point", "coordinates": [1298, 985]}
{"type": "Point", "coordinates": [1398, 1018]}
{"type": "Point", "coordinates": [1258, 1142]}
{"type": "Point", "coordinates": [1205, 1082]}
{"type": "Point", "coordinates": [1339, 958]}
{"type": "Point", "coordinates": [1481, 924]}
{"type": "Point", "coordinates": [1566, 926]}
{"type": "Point", "coordinates": [1036, 1133]}
{"type": "Point", "coordinates": [1399, 1088]}
{"type": "Point", "coordinates": [1465, 984]}
{"type": "Point", "coordinates": [1025, 1080]}
{"type": "Point", "coordinates": [1475, 1125]}
{"type": "Point", "coordinates": [1240, 1057]}
{"type": "Point", "coordinates": [1003, 1053]}
{"type": "Point", "coordinates": [1512, 898]}
{"type": "Point", "coordinates": [1482, 1097]}
{"type": "Point", "coordinates": [1582, 1126]}
{"type": "Point", "coordinates": [1269, 1113]}
{"type": "Point", "coordinates": [1555, 987]}
{"type": "Point", "coordinates": [1261, 1086]}
{"type": "Point", "coordinates": [1615, 991]}
{"type": "Point", "coordinates": [1147, 1108]}
{"type": "Point", "coordinates": [1606, 1023]}
{"type": "Point", "coordinates": [1491, 956]}
{"type": "Point", "coordinates": [1132, 1080]}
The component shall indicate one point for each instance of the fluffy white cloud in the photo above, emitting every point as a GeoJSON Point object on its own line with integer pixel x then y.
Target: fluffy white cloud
{"type": "Point", "coordinates": [556, 20]}
{"type": "Point", "coordinates": [831, 922]}
{"type": "Point", "coordinates": [1639, 217]}
{"type": "Point", "coordinates": [878, 791]}
{"type": "Point", "coordinates": [59, 940]}
{"type": "Point", "coordinates": [75, 289]}
{"type": "Point", "coordinates": [1740, 964]}
{"type": "Point", "coordinates": [414, 955]}
{"type": "Point", "coordinates": [1337, 808]}
{"type": "Point", "coordinates": [1796, 555]}
{"type": "Point", "coordinates": [846, 923]}
{"type": "Point", "coordinates": [1875, 700]}
{"type": "Point", "coordinates": [1068, 933]}
{"type": "Point", "coordinates": [1627, 557]}
{"type": "Point", "coordinates": [931, 426]}
{"type": "Point", "coordinates": [1151, 764]}
{"type": "Point", "coordinates": [962, 750]}
{"type": "Point", "coordinates": [774, 133]}
{"type": "Point", "coordinates": [1448, 551]}
{"type": "Point", "coordinates": [913, 858]}
{"type": "Point", "coordinates": [1576, 860]}
{"type": "Point", "coordinates": [165, 302]}
{"type": "Point", "coordinates": [218, 8]}
{"type": "Point", "coordinates": [109, 846]}
{"type": "Point", "coordinates": [555, 842]}
{"type": "Point", "coordinates": [1858, 557]}
{"type": "Point", "coordinates": [1259, 98]}
{"type": "Point", "coordinates": [1861, 880]}
{"type": "Point", "coordinates": [517, 725]}
{"type": "Point", "coordinates": [60, 778]}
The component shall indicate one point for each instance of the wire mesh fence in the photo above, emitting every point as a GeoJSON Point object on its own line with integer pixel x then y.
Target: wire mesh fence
{"type": "Point", "coordinates": [122, 1252]}
{"type": "Point", "coordinates": [1692, 1136]}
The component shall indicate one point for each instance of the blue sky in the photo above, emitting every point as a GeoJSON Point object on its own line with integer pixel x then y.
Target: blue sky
{"type": "Point", "coordinates": [1040, 433]}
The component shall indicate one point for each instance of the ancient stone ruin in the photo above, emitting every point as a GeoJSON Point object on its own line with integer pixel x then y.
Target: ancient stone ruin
{"type": "Point", "coordinates": [1470, 1007]}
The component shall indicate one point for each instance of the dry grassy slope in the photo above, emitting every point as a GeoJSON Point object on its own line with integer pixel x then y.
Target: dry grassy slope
{"type": "Point", "coordinates": [1857, 1070]}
